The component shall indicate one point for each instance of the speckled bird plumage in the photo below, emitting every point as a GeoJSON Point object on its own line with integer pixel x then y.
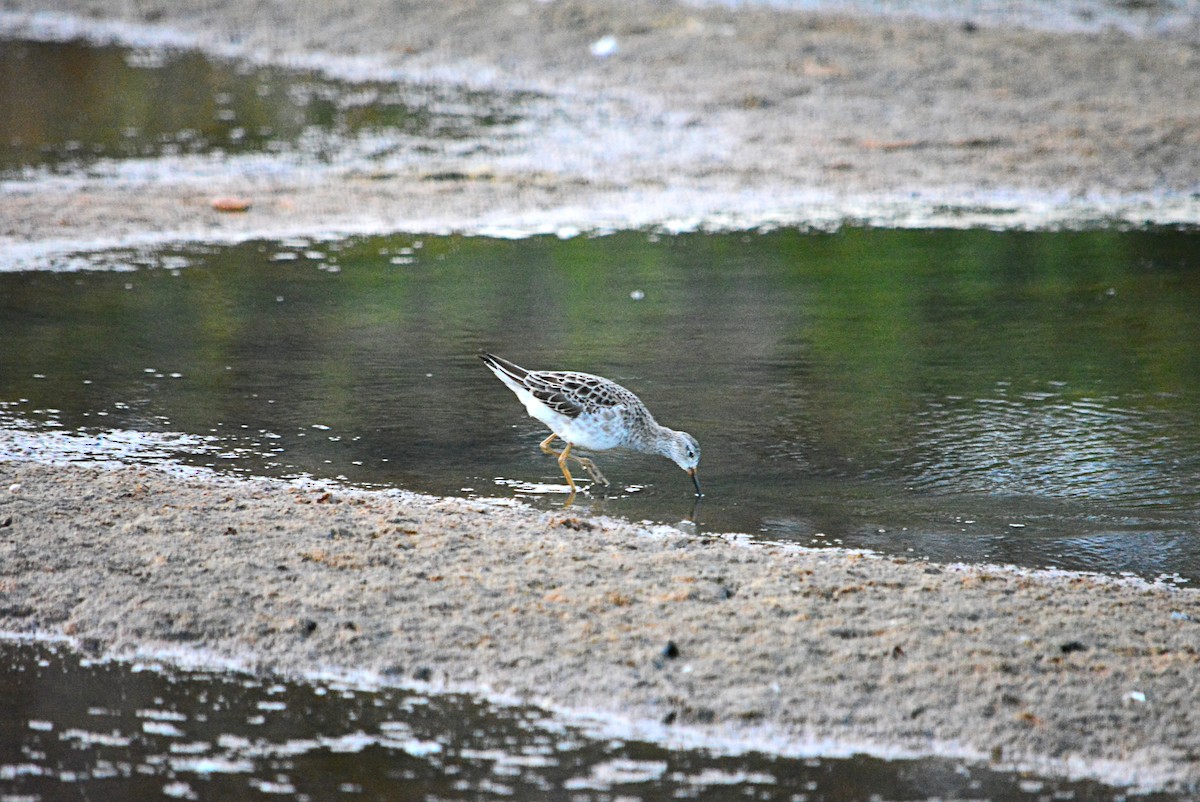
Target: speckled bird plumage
{"type": "Point", "coordinates": [594, 413]}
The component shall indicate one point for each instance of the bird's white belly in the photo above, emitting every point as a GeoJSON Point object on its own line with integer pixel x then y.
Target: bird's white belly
{"type": "Point", "coordinates": [594, 432]}
{"type": "Point", "coordinates": [597, 432]}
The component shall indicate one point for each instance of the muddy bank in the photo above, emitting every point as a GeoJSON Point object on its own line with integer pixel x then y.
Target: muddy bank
{"type": "Point", "coordinates": [1065, 674]}
{"type": "Point", "coordinates": [695, 116]}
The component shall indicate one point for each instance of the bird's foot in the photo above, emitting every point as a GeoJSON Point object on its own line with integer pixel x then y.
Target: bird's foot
{"type": "Point", "coordinates": [592, 470]}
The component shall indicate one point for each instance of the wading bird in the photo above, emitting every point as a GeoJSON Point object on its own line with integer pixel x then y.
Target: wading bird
{"type": "Point", "coordinates": [594, 413]}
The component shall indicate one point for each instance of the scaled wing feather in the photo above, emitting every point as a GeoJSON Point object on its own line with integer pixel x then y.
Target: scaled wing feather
{"type": "Point", "coordinates": [573, 394]}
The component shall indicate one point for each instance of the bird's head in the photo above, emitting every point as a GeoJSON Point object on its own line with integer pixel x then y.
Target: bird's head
{"type": "Point", "coordinates": [684, 451]}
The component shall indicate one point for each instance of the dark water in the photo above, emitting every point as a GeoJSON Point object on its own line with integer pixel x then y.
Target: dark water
{"type": "Point", "coordinates": [73, 106]}
{"type": "Point", "coordinates": [1014, 397]}
{"type": "Point", "coordinates": [78, 729]}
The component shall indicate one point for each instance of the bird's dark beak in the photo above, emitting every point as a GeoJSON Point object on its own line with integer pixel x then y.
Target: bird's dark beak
{"type": "Point", "coordinates": [695, 481]}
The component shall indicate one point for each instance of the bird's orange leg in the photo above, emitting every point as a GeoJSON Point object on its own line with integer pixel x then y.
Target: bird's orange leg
{"type": "Point", "coordinates": [564, 455]}
{"type": "Point", "coordinates": [545, 445]}
{"type": "Point", "coordinates": [562, 464]}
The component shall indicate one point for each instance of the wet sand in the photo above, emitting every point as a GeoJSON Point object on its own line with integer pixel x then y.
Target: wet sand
{"type": "Point", "coordinates": [700, 118]}
{"type": "Point", "coordinates": [685, 638]}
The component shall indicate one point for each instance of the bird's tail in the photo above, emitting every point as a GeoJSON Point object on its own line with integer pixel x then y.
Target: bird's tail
{"type": "Point", "coordinates": [502, 367]}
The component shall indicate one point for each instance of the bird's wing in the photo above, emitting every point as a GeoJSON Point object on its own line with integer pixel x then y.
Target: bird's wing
{"type": "Point", "coordinates": [573, 394]}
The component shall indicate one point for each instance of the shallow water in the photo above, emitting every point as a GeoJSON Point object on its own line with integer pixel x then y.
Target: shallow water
{"type": "Point", "coordinates": [117, 112]}
{"type": "Point", "coordinates": [964, 395]}
{"type": "Point", "coordinates": [73, 728]}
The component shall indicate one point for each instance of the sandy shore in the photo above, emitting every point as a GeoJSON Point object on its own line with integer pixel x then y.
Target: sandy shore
{"type": "Point", "coordinates": [773, 648]}
{"type": "Point", "coordinates": [700, 117]}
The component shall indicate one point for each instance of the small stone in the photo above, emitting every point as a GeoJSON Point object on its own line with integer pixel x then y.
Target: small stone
{"type": "Point", "coordinates": [670, 651]}
{"type": "Point", "coordinates": [845, 633]}
{"type": "Point", "coordinates": [423, 674]}
{"type": "Point", "coordinates": [1073, 646]}
{"type": "Point", "coordinates": [230, 204]}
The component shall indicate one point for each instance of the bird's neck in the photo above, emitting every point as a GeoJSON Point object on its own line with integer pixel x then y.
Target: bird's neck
{"type": "Point", "coordinates": [658, 439]}
{"type": "Point", "coordinates": [648, 437]}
